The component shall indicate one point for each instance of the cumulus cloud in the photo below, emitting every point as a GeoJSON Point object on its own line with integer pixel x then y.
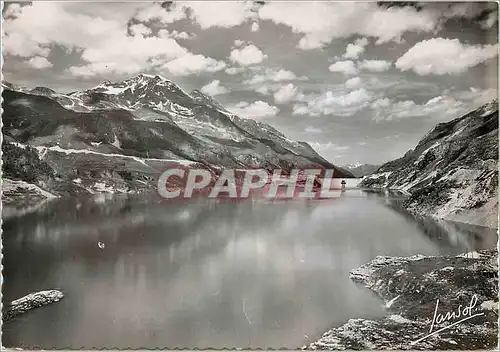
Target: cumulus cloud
{"type": "Point", "coordinates": [247, 55]}
{"type": "Point", "coordinates": [310, 129]}
{"type": "Point", "coordinates": [155, 11]}
{"type": "Point", "coordinates": [269, 80]}
{"type": "Point", "coordinates": [475, 96]}
{"type": "Point", "coordinates": [287, 93]}
{"type": "Point", "coordinates": [315, 41]}
{"type": "Point", "coordinates": [375, 65]}
{"type": "Point", "coordinates": [39, 62]}
{"type": "Point", "coordinates": [234, 70]}
{"type": "Point", "coordinates": [271, 75]}
{"type": "Point", "coordinates": [346, 67]}
{"type": "Point", "coordinates": [331, 103]}
{"type": "Point", "coordinates": [450, 104]}
{"type": "Point", "coordinates": [301, 109]}
{"type": "Point", "coordinates": [140, 29]}
{"type": "Point", "coordinates": [255, 27]}
{"type": "Point", "coordinates": [193, 64]}
{"type": "Point", "coordinates": [214, 88]}
{"type": "Point", "coordinates": [320, 22]}
{"type": "Point", "coordinates": [255, 110]}
{"type": "Point", "coordinates": [354, 50]}
{"type": "Point", "coordinates": [16, 43]}
{"type": "Point", "coordinates": [329, 150]}
{"type": "Point", "coordinates": [441, 56]}
{"type": "Point", "coordinates": [238, 42]}
{"type": "Point", "coordinates": [467, 10]}
{"type": "Point", "coordinates": [386, 109]}
{"type": "Point", "coordinates": [181, 35]}
{"type": "Point", "coordinates": [104, 42]}
{"type": "Point", "coordinates": [381, 103]}
{"type": "Point", "coordinates": [225, 14]}
{"type": "Point", "coordinates": [490, 21]}
{"type": "Point", "coordinates": [354, 82]}
{"type": "Point", "coordinates": [12, 11]}
{"type": "Point", "coordinates": [265, 89]}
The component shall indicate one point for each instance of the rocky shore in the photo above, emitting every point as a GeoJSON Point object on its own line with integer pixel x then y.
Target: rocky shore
{"type": "Point", "coordinates": [432, 303]}
{"type": "Point", "coordinates": [29, 302]}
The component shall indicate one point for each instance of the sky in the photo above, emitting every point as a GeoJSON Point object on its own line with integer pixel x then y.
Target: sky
{"type": "Point", "coordinates": [361, 82]}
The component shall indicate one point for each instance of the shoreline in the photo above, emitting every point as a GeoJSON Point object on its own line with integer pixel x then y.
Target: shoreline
{"type": "Point", "coordinates": [462, 218]}
{"type": "Point", "coordinates": [21, 197]}
{"type": "Point", "coordinates": [410, 289]}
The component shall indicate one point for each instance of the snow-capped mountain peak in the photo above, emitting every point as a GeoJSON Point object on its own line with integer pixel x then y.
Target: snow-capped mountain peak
{"type": "Point", "coordinates": [43, 91]}
{"type": "Point", "coordinates": [353, 165]}
{"type": "Point", "coordinates": [143, 90]}
{"type": "Point", "coordinates": [140, 81]}
{"type": "Point", "coordinates": [359, 170]}
{"type": "Point", "coordinates": [105, 83]}
{"type": "Point", "coordinates": [489, 107]}
{"type": "Point", "coordinates": [14, 87]}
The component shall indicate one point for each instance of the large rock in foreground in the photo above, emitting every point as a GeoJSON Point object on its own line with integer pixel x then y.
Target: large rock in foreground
{"type": "Point", "coordinates": [31, 301]}
{"type": "Point", "coordinates": [410, 288]}
{"type": "Point", "coordinates": [453, 171]}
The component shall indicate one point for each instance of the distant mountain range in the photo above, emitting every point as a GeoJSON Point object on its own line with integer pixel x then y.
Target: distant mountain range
{"type": "Point", "coordinates": [360, 170]}
{"type": "Point", "coordinates": [452, 173]}
{"type": "Point", "coordinates": [120, 136]}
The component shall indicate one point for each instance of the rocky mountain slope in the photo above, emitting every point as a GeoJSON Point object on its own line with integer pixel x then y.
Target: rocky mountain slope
{"type": "Point", "coordinates": [453, 171]}
{"type": "Point", "coordinates": [119, 137]}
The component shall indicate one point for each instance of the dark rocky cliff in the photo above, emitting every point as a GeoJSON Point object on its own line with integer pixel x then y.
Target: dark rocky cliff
{"type": "Point", "coordinates": [453, 171]}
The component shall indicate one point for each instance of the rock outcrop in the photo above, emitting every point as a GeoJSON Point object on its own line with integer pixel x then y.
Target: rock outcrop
{"type": "Point", "coordinates": [453, 171]}
{"type": "Point", "coordinates": [31, 301]}
{"type": "Point", "coordinates": [465, 285]}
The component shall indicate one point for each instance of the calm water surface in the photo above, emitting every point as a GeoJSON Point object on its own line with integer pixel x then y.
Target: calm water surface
{"type": "Point", "coordinates": [206, 274]}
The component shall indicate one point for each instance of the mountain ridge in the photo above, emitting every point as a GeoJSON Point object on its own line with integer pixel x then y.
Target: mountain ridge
{"type": "Point", "coordinates": [452, 173]}
{"type": "Point", "coordinates": [361, 170]}
{"type": "Point", "coordinates": [124, 134]}
{"type": "Point", "coordinates": [108, 96]}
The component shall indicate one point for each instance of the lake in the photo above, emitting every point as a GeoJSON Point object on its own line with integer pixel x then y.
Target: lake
{"type": "Point", "coordinates": [207, 273]}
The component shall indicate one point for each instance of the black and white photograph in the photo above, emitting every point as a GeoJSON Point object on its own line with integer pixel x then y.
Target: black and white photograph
{"type": "Point", "coordinates": [301, 175]}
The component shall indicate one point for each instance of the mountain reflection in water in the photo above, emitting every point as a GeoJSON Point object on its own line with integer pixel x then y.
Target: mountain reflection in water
{"type": "Point", "coordinates": [207, 273]}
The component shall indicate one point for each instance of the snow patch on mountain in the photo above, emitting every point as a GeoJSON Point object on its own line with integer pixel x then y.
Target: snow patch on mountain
{"type": "Point", "coordinates": [360, 170]}
{"type": "Point", "coordinates": [42, 151]}
{"type": "Point", "coordinates": [116, 142]}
